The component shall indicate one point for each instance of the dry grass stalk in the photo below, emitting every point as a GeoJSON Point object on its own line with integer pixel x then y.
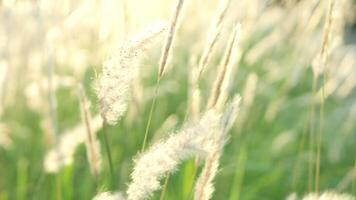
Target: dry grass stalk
{"type": "Point", "coordinates": [319, 64]}
{"type": "Point", "coordinates": [204, 60]}
{"type": "Point", "coordinates": [119, 73]}
{"type": "Point", "coordinates": [327, 32]}
{"type": "Point", "coordinates": [319, 68]}
{"type": "Point", "coordinates": [213, 37]}
{"type": "Point", "coordinates": [225, 70]}
{"type": "Point", "coordinates": [92, 143]}
{"type": "Point", "coordinates": [170, 38]}
{"type": "Point", "coordinates": [163, 64]}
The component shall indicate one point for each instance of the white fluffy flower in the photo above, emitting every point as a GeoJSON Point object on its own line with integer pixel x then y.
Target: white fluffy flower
{"type": "Point", "coordinates": [119, 72]}
{"type": "Point", "coordinates": [109, 196]}
{"type": "Point", "coordinates": [164, 157]}
{"type": "Point", "coordinates": [328, 196]}
{"type": "Point", "coordinates": [62, 155]}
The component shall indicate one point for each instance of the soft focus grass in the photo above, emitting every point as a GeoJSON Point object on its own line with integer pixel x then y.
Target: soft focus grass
{"type": "Point", "coordinates": [250, 168]}
{"type": "Point", "coordinates": [256, 164]}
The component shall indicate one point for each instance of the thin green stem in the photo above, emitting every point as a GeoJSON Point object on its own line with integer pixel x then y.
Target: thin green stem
{"type": "Point", "coordinates": [58, 187]}
{"type": "Point", "coordinates": [353, 184]}
{"type": "Point", "coordinates": [21, 179]}
{"type": "Point", "coordinates": [195, 172]}
{"type": "Point", "coordinates": [144, 143]}
{"type": "Point", "coordinates": [164, 187]}
{"type": "Point", "coordinates": [108, 151]}
{"type": "Point", "coordinates": [311, 137]}
{"type": "Point", "coordinates": [297, 167]}
{"type": "Point", "coordinates": [52, 113]}
{"type": "Point", "coordinates": [235, 191]}
{"type": "Point", "coordinates": [37, 185]}
{"type": "Point", "coordinates": [319, 136]}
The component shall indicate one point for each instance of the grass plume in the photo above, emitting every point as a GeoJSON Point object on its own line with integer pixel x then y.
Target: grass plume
{"type": "Point", "coordinates": [225, 70]}
{"type": "Point", "coordinates": [92, 143]}
{"type": "Point", "coordinates": [170, 38]}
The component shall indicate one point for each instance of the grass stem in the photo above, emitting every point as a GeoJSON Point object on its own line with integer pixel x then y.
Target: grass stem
{"type": "Point", "coordinates": [311, 137]}
{"type": "Point", "coordinates": [108, 152]}
{"type": "Point", "coordinates": [164, 187]}
{"type": "Point", "coordinates": [148, 125]}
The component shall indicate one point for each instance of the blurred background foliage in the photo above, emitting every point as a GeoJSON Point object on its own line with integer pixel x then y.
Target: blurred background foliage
{"type": "Point", "coordinates": [268, 154]}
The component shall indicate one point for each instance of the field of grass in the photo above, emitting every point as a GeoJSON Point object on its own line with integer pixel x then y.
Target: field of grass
{"type": "Point", "coordinates": [292, 62]}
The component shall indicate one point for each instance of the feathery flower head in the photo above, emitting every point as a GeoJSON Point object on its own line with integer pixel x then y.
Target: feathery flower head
{"type": "Point", "coordinates": [204, 188]}
{"type": "Point", "coordinates": [109, 196]}
{"type": "Point", "coordinates": [119, 72]}
{"type": "Point", "coordinates": [61, 156]}
{"type": "Point", "coordinates": [328, 196]}
{"type": "Point", "coordinates": [219, 91]}
{"type": "Point", "coordinates": [163, 157]}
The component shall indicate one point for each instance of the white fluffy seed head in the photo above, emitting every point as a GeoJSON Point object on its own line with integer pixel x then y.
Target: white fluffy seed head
{"type": "Point", "coordinates": [204, 187]}
{"type": "Point", "coordinates": [61, 156]}
{"type": "Point", "coordinates": [205, 137]}
{"type": "Point", "coordinates": [109, 196]}
{"type": "Point", "coordinates": [163, 157]}
{"type": "Point", "coordinates": [328, 196]}
{"type": "Point", "coordinates": [118, 73]}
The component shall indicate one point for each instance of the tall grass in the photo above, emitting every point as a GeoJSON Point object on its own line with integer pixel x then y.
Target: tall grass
{"type": "Point", "coordinates": [164, 104]}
